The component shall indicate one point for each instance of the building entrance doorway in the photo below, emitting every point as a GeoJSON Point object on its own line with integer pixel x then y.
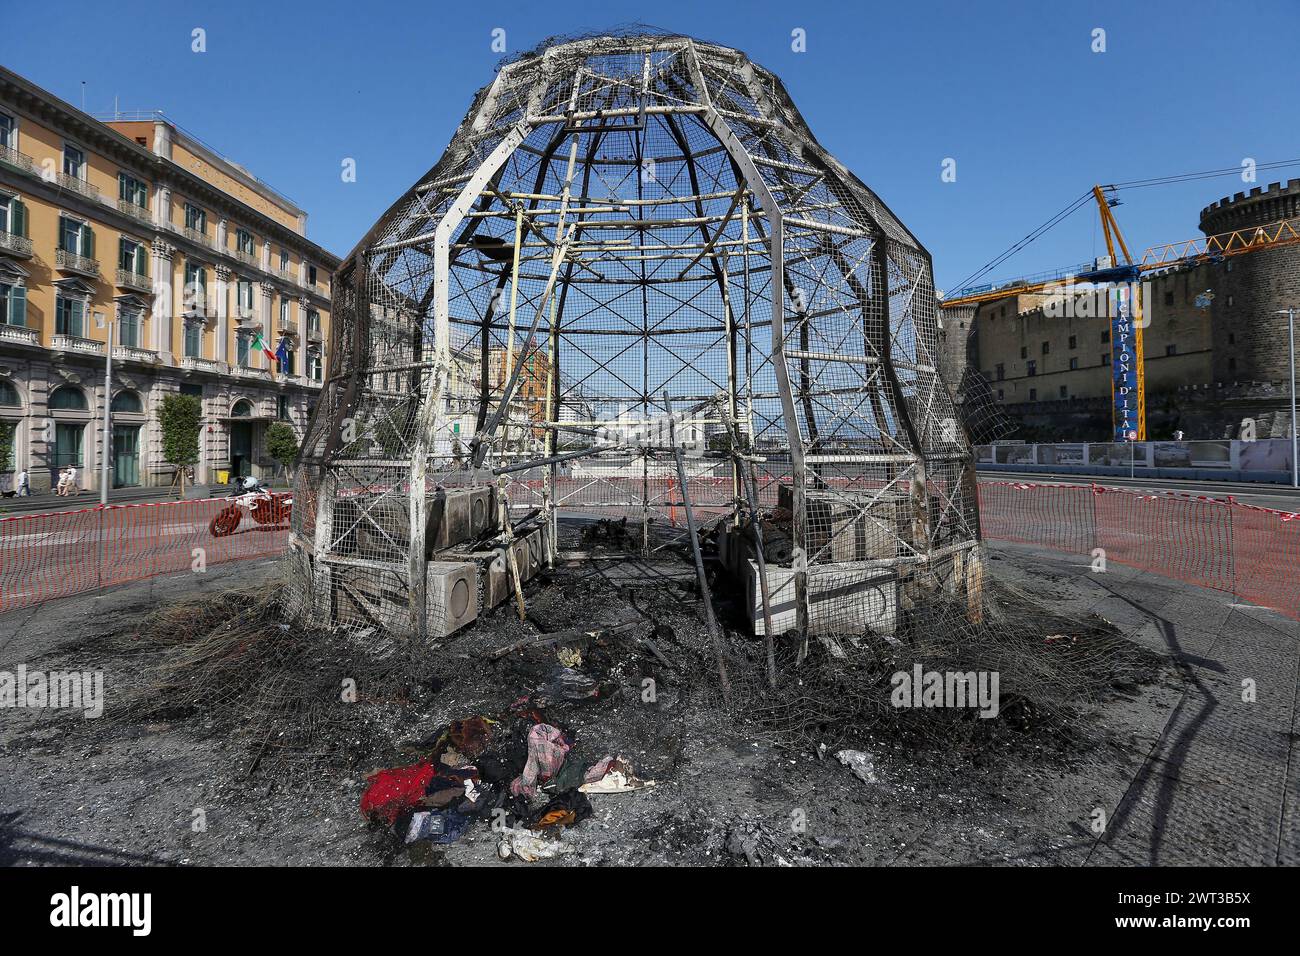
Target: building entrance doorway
{"type": "Point", "coordinates": [241, 449]}
{"type": "Point", "coordinates": [126, 456]}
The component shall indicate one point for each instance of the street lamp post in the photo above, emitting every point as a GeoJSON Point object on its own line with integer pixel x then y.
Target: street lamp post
{"type": "Point", "coordinates": [1295, 439]}
{"type": "Point", "coordinates": [108, 428]}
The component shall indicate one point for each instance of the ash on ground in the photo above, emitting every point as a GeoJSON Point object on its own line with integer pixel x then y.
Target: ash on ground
{"type": "Point", "coordinates": [287, 734]}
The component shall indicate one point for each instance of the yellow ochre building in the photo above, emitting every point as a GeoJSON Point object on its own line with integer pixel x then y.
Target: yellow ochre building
{"type": "Point", "coordinates": [133, 225]}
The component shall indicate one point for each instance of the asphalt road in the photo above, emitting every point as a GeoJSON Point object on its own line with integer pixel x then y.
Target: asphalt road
{"type": "Point", "coordinates": [1281, 497]}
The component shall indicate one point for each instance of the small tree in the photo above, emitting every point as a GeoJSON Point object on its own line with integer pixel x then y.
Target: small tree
{"type": "Point", "coordinates": [6, 446]}
{"type": "Point", "coordinates": [181, 418]}
{"type": "Point", "coordinates": [282, 443]}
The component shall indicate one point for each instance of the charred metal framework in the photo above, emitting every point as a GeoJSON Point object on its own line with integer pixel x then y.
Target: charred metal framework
{"type": "Point", "coordinates": [618, 224]}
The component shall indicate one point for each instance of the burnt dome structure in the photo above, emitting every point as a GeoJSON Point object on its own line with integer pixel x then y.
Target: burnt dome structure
{"type": "Point", "coordinates": [633, 264]}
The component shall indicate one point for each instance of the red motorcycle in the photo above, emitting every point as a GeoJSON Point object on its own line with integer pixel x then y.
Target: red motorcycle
{"type": "Point", "coordinates": [259, 503]}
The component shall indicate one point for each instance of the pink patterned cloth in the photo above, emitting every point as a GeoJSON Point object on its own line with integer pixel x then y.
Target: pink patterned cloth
{"type": "Point", "coordinates": [546, 751]}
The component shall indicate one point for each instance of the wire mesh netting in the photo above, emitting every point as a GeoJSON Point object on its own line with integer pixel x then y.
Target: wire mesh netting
{"type": "Point", "coordinates": [635, 286]}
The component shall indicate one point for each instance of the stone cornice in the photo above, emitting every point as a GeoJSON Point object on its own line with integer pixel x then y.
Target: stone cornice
{"type": "Point", "coordinates": [88, 131]}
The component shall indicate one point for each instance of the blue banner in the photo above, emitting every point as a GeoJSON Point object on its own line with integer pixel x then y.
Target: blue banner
{"type": "Point", "coordinates": [1124, 366]}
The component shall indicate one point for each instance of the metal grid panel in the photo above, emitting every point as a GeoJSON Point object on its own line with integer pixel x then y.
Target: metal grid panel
{"type": "Point", "coordinates": [604, 235]}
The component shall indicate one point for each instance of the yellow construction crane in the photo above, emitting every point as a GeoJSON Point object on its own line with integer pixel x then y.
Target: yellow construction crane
{"type": "Point", "coordinates": [1128, 383]}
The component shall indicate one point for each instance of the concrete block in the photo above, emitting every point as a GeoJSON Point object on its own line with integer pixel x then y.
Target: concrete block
{"type": "Point", "coordinates": [843, 599]}
{"type": "Point", "coordinates": [451, 596]}
{"type": "Point", "coordinates": [483, 509]}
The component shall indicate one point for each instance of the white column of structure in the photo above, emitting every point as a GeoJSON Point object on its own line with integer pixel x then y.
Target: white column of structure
{"type": "Point", "coordinates": [160, 266]}
{"type": "Point", "coordinates": [267, 290]}
{"type": "Point", "coordinates": [222, 282]}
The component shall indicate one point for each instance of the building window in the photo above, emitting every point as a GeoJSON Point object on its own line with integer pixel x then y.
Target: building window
{"type": "Point", "coordinates": [1024, 351]}
{"type": "Point", "coordinates": [241, 350]}
{"type": "Point", "coordinates": [1232, 365]}
{"type": "Point", "coordinates": [128, 402]}
{"type": "Point", "coordinates": [76, 237]}
{"type": "Point", "coordinates": [1033, 394]}
{"type": "Point", "coordinates": [13, 216]}
{"type": "Point", "coordinates": [193, 339]}
{"type": "Point", "coordinates": [131, 190]}
{"type": "Point", "coordinates": [1105, 358]}
{"type": "Point", "coordinates": [284, 312]}
{"type": "Point", "coordinates": [9, 395]}
{"type": "Point", "coordinates": [1105, 336]}
{"type": "Point", "coordinates": [1001, 371]}
{"type": "Point", "coordinates": [315, 365]}
{"type": "Point", "coordinates": [13, 304]}
{"type": "Point", "coordinates": [196, 219]}
{"type": "Point", "coordinates": [244, 299]}
{"type": "Point", "coordinates": [1074, 341]}
{"type": "Point", "coordinates": [131, 257]}
{"type": "Point", "coordinates": [68, 443]}
{"type": "Point", "coordinates": [1031, 368]}
{"type": "Point", "coordinates": [282, 407]}
{"type": "Point", "coordinates": [1000, 395]}
{"type": "Point", "coordinates": [1230, 300]}
{"type": "Point", "coordinates": [311, 275]}
{"type": "Point", "coordinates": [1171, 349]}
{"type": "Point", "coordinates": [1064, 392]}
{"type": "Point", "coordinates": [7, 138]}
{"type": "Point", "coordinates": [244, 242]}
{"type": "Point", "coordinates": [128, 328]}
{"type": "Point", "coordinates": [242, 409]}
{"type": "Point", "coordinates": [74, 162]}
{"type": "Point", "coordinates": [1169, 298]}
{"type": "Point", "coordinates": [313, 324]}
{"type": "Point", "coordinates": [69, 316]}
{"type": "Point", "coordinates": [1074, 363]}
{"type": "Point", "coordinates": [66, 398]}
{"type": "Point", "coordinates": [196, 286]}
{"type": "Point", "coordinates": [284, 260]}
{"type": "Point", "coordinates": [1047, 347]}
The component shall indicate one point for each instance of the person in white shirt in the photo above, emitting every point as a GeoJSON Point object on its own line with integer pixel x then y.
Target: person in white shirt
{"type": "Point", "coordinates": [24, 483]}
{"type": "Point", "coordinates": [72, 481]}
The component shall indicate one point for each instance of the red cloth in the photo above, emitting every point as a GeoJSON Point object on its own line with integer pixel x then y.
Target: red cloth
{"type": "Point", "coordinates": [394, 790]}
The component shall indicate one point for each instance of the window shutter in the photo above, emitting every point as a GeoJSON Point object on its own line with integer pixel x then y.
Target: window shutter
{"type": "Point", "coordinates": [18, 219]}
{"type": "Point", "coordinates": [89, 235]}
{"type": "Point", "coordinates": [18, 306]}
{"type": "Point", "coordinates": [63, 233]}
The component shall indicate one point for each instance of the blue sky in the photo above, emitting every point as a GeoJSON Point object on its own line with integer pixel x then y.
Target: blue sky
{"type": "Point", "coordinates": [1011, 91]}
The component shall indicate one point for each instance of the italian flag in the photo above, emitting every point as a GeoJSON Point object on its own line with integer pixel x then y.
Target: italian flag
{"type": "Point", "coordinates": [258, 343]}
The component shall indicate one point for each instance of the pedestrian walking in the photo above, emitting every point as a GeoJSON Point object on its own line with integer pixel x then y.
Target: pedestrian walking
{"type": "Point", "coordinates": [24, 483]}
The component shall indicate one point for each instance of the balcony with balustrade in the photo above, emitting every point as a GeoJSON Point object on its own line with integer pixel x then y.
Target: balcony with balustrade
{"type": "Point", "coordinates": [75, 343]}
{"type": "Point", "coordinates": [135, 211]}
{"type": "Point", "coordinates": [19, 335]}
{"type": "Point", "coordinates": [14, 158]}
{"type": "Point", "coordinates": [133, 280]}
{"type": "Point", "coordinates": [19, 247]}
{"type": "Point", "coordinates": [68, 261]}
{"type": "Point", "coordinates": [77, 185]}
{"type": "Point", "coordinates": [129, 353]}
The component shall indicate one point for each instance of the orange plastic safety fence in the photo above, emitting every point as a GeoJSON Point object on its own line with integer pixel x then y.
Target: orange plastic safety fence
{"type": "Point", "coordinates": [1243, 550]}
{"type": "Point", "coordinates": [52, 555]}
